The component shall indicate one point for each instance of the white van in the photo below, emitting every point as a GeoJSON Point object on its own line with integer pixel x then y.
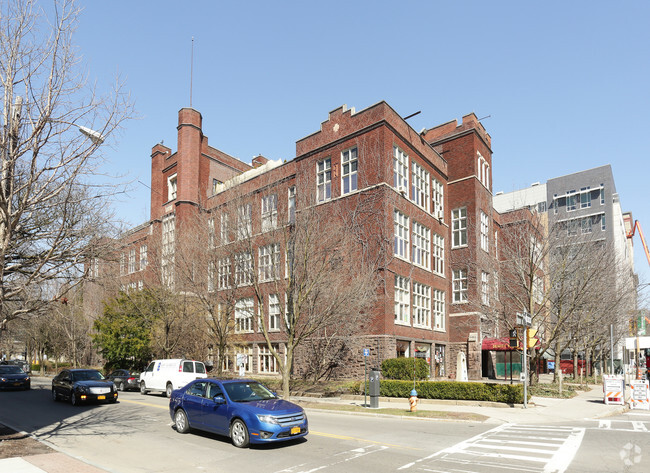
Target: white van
{"type": "Point", "coordinates": [166, 375]}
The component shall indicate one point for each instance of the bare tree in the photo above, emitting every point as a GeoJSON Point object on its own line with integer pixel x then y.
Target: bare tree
{"type": "Point", "coordinates": [52, 195]}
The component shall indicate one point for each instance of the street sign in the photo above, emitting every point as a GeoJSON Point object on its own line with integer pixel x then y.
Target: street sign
{"type": "Point", "coordinates": [366, 352]}
{"type": "Point", "coordinates": [640, 395]}
{"type": "Point", "coordinates": [523, 319]}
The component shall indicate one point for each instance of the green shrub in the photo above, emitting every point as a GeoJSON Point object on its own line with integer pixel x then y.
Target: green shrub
{"type": "Point", "coordinates": [405, 368]}
{"type": "Point", "coordinates": [507, 393]}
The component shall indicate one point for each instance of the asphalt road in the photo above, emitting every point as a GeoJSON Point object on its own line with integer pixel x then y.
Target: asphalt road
{"type": "Point", "coordinates": [136, 435]}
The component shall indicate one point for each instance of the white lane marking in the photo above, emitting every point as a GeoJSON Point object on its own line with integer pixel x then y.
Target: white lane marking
{"type": "Point", "coordinates": [604, 424]}
{"type": "Point", "coordinates": [340, 459]}
{"type": "Point", "coordinates": [639, 426]}
{"type": "Point", "coordinates": [564, 456]}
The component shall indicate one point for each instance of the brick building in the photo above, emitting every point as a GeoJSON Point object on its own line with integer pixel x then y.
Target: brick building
{"type": "Point", "coordinates": [430, 200]}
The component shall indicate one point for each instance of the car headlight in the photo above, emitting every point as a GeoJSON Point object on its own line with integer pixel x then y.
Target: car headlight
{"type": "Point", "coordinates": [267, 419]}
{"type": "Point", "coordinates": [4, 380]}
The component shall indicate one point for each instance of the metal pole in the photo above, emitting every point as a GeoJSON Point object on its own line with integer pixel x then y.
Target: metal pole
{"type": "Point", "coordinates": [525, 365]}
{"type": "Point", "coordinates": [365, 383]}
{"type": "Point", "coordinates": [611, 347]}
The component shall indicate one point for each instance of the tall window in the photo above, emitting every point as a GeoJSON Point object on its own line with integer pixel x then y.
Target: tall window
{"type": "Point", "coordinates": [437, 194]}
{"type": "Point", "coordinates": [401, 223]}
{"type": "Point", "coordinates": [438, 310]}
{"type": "Point", "coordinates": [132, 260]}
{"type": "Point", "coordinates": [459, 227]}
{"type": "Point", "coordinates": [243, 269]}
{"type": "Point", "coordinates": [291, 205]}
{"type": "Point", "coordinates": [400, 169]}
{"type": "Point", "coordinates": [421, 305]}
{"type": "Point", "coordinates": [485, 228]}
{"type": "Point", "coordinates": [585, 197]}
{"type": "Point", "coordinates": [571, 200]}
{"type": "Point", "coordinates": [269, 262]}
{"type": "Point", "coordinates": [324, 179]}
{"type": "Point", "coordinates": [421, 245]}
{"type": "Point", "coordinates": [94, 268]}
{"type": "Point", "coordinates": [438, 254]}
{"type": "Point", "coordinates": [210, 276]}
{"type": "Point", "coordinates": [266, 361]}
{"type": "Point", "coordinates": [122, 264]}
{"type": "Point", "coordinates": [168, 249]}
{"type": "Point", "coordinates": [602, 222]}
{"type": "Point", "coordinates": [244, 315]}
{"type": "Point", "coordinates": [224, 273]}
{"type": "Point", "coordinates": [211, 234]}
{"type": "Point", "coordinates": [602, 194]}
{"type": "Point", "coordinates": [420, 190]}
{"type": "Point", "coordinates": [402, 300]}
{"type": "Point", "coordinates": [171, 187]}
{"type": "Point", "coordinates": [483, 170]}
{"type": "Point", "coordinates": [269, 212]}
{"type": "Point", "coordinates": [349, 164]}
{"type": "Point", "coordinates": [459, 285]}
{"type": "Point", "coordinates": [485, 288]}
{"type": "Point", "coordinates": [224, 228]}
{"type": "Point", "coordinates": [585, 225]}
{"type": "Point", "coordinates": [274, 313]}
{"type": "Point", "coordinates": [244, 221]}
{"type": "Point", "coordinates": [215, 185]}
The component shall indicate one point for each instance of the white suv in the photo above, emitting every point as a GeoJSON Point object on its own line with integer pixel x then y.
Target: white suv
{"type": "Point", "coordinates": [166, 375]}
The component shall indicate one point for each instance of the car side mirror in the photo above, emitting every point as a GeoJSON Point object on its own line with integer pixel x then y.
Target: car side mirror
{"type": "Point", "coordinates": [219, 399]}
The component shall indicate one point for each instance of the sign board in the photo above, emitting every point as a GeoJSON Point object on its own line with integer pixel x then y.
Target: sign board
{"type": "Point", "coordinates": [613, 389]}
{"type": "Point", "coordinates": [523, 319]}
{"type": "Point", "coordinates": [366, 352]}
{"type": "Point", "coordinates": [640, 394]}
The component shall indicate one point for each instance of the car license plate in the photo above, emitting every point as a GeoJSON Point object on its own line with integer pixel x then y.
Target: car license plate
{"type": "Point", "coordinates": [17, 384]}
{"type": "Point", "coordinates": [295, 430]}
{"type": "Point", "coordinates": [101, 397]}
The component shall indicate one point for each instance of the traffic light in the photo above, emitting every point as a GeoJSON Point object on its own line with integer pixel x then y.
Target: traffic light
{"type": "Point", "coordinates": [532, 341]}
{"type": "Point", "coordinates": [514, 343]}
{"type": "Point", "coordinates": [632, 327]}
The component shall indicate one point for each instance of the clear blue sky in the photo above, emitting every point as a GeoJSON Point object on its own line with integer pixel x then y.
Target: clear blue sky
{"type": "Point", "coordinates": [565, 83]}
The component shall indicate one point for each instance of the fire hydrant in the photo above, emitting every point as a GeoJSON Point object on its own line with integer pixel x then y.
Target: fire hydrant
{"type": "Point", "coordinates": [413, 400]}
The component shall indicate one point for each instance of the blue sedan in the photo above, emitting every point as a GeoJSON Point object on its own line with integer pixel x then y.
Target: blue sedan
{"type": "Point", "coordinates": [242, 409]}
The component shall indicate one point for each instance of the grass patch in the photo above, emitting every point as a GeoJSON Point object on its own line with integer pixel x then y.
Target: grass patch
{"type": "Point", "coordinates": [553, 390]}
{"type": "Point", "coordinates": [443, 415]}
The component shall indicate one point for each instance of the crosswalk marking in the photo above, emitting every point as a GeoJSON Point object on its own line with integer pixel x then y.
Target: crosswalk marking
{"type": "Point", "coordinates": [621, 425]}
{"type": "Point", "coordinates": [338, 460]}
{"type": "Point", "coordinates": [639, 426]}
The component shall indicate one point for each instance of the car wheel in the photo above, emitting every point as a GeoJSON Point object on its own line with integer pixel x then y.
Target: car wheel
{"type": "Point", "coordinates": [120, 386]}
{"type": "Point", "coordinates": [182, 424]}
{"type": "Point", "coordinates": [143, 388]}
{"type": "Point", "coordinates": [73, 399]}
{"type": "Point", "coordinates": [239, 434]}
{"type": "Point", "coordinates": [169, 389]}
{"type": "Point", "coordinates": [55, 396]}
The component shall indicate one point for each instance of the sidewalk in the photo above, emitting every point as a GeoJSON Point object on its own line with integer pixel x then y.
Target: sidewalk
{"type": "Point", "coordinates": [587, 405]}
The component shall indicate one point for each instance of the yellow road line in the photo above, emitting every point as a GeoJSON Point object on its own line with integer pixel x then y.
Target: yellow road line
{"type": "Point", "coordinates": [347, 437]}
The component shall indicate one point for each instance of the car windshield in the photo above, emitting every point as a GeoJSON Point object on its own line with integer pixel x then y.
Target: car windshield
{"type": "Point", "coordinates": [248, 391]}
{"type": "Point", "coordinates": [9, 369]}
{"type": "Point", "coordinates": [89, 375]}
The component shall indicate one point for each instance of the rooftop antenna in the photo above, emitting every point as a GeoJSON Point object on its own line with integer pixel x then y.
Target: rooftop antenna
{"type": "Point", "coordinates": [191, 70]}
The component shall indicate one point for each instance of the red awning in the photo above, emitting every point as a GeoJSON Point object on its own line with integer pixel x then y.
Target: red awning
{"type": "Point", "coordinates": [502, 344]}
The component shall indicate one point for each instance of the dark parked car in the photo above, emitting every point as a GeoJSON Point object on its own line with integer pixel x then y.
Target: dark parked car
{"type": "Point", "coordinates": [22, 363]}
{"type": "Point", "coordinates": [12, 376]}
{"type": "Point", "coordinates": [244, 410]}
{"type": "Point", "coordinates": [125, 379]}
{"type": "Point", "coordinates": [81, 385]}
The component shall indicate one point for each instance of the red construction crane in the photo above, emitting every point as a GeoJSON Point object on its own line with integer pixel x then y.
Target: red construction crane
{"type": "Point", "coordinates": [631, 234]}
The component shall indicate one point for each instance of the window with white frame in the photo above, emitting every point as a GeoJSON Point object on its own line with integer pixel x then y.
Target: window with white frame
{"type": "Point", "coordinates": [140, 285]}
{"type": "Point", "coordinates": [421, 253]}
{"type": "Point", "coordinates": [602, 194]}
{"type": "Point", "coordinates": [132, 260]}
{"type": "Point", "coordinates": [171, 187]}
{"type": "Point", "coordinates": [215, 185]}
{"type": "Point", "coordinates": [420, 187]}
{"type": "Point", "coordinates": [223, 269]}
{"type": "Point", "coordinates": [438, 254]}
{"type": "Point", "coordinates": [496, 286]}
{"type": "Point", "coordinates": [603, 227]}
{"type": "Point", "coordinates": [269, 262]}
{"type": "Point", "coordinates": [274, 313]}
{"type": "Point", "coordinates": [269, 212]}
{"type": "Point", "coordinates": [483, 170]}
{"type": "Point", "coordinates": [402, 300]}
{"type": "Point", "coordinates": [244, 221]}
{"type": "Point", "coordinates": [244, 315]}
{"type": "Point", "coordinates": [421, 305]}
{"type": "Point", "coordinates": [438, 198]}
{"type": "Point", "coordinates": [349, 165]}
{"type": "Point", "coordinates": [224, 229]}
{"type": "Point", "coordinates": [585, 197]}
{"type": "Point", "coordinates": [485, 288]}
{"type": "Point", "coordinates": [243, 269]}
{"type": "Point", "coordinates": [210, 276]}
{"type": "Point", "coordinates": [401, 224]}
{"type": "Point", "coordinates": [144, 258]}
{"type": "Point", "coordinates": [211, 234]}
{"type": "Point", "coordinates": [266, 361]}
{"type": "Point", "coordinates": [439, 310]}
{"type": "Point", "coordinates": [122, 264]}
{"type": "Point", "coordinates": [571, 200]}
{"type": "Point", "coordinates": [459, 285]}
{"type": "Point", "coordinates": [485, 228]}
{"type": "Point", "coordinates": [400, 169]}
{"type": "Point", "coordinates": [538, 289]}
{"type": "Point", "coordinates": [496, 244]}
{"type": "Point", "coordinates": [585, 225]}
{"type": "Point", "coordinates": [324, 180]}
{"type": "Point", "coordinates": [168, 249]}
{"type": "Point", "coordinates": [572, 227]}
{"type": "Point", "coordinates": [291, 205]}
{"type": "Point", "coordinates": [94, 268]}
{"type": "Point", "coordinates": [459, 227]}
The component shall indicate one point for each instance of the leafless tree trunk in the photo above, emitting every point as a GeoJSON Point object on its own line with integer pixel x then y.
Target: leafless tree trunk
{"type": "Point", "coordinates": [52, 200]}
